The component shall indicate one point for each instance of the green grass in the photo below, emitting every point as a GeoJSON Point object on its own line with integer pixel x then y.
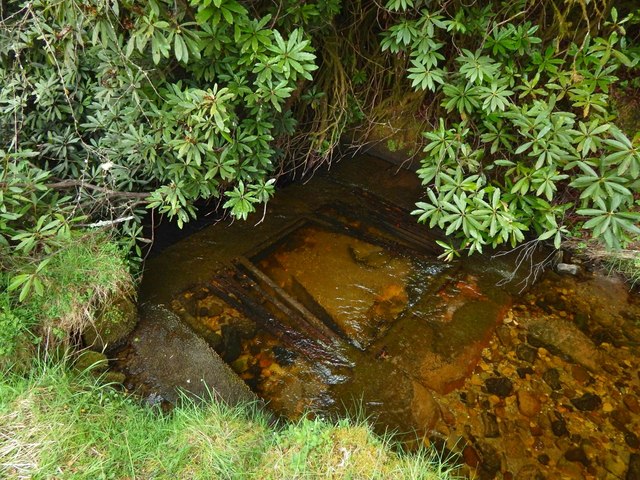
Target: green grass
{"type": "Point", "coordinates": [625, 263]}
{"type": "Point", "coordinates": [80, 277]}
{"type": "Point", "coordinates": [56, 424]}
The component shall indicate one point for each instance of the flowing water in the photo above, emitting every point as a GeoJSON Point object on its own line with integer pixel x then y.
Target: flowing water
{"type": "Point", "coordinates": [337, 303]}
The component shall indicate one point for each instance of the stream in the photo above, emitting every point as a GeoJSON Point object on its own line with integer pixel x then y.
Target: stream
{"type": "Point", "coordinates": [337, 303]}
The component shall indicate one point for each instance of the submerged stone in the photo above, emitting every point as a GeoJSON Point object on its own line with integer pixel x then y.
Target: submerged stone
{"type": "Point", "coordinates": [500, 386]}
{"type": "Point", "coordinates": [471, 456]}
{"type": "Point", "coordinates": [424, 408]}
{"type": "Point", "coordinates": [529, 472]}
{"type": "Point", "coordinates": [524, 371]}
{"type": "Point", "coordinates": [560, 336]}
{"type": "Point", "coordinates": [559, 428]}
{"type": "Point", "coordinates": [587, 402]}
{"type": "Point", "coordinates": [552, 378]}
{"type": "Point", "coordinates": [633, 473]}
{"type": "Point", "coordinates": [490, 425]}
{"type": "Point", "coordinates": [580, 374]}
{"type": "Point", "coordinates": [631, 402]}
{"type": "Point", "coordinates": [544, 459]}
{"type": "Point", "coordinates": [631, 439]}
{"type": "Point", "coordinates": [528, 403]}
{"type": "Point", "coordinates": [491, 461]}
{"type": "Point", "coordinates": [526, 353]}
{"type": "Point", "coordinates": [577, 454]}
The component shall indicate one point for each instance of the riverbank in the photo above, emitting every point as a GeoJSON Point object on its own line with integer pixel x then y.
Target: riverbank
{"type": "Point", "coordinates": [58, 424]}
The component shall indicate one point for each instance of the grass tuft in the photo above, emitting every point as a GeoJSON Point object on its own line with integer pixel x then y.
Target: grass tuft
{"type": "Point", "coordinates": [56, 424]}
{"type": "Point", "coordinates": [80, 281]}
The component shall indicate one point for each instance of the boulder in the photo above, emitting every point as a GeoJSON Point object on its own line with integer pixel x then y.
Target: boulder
{"type": "Point", "coordinates": [562, 337]}
{"type": "Point", "coordinates": [567, 268]}
{"type": "Point", "coordinates": [168, 358]}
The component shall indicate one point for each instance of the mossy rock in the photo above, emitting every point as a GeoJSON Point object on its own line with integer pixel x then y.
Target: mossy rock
{"type": "Point", "coordinates": [96, 361]}
{"type": "Point", "coordinates": [113, 377]}
{"type": "Point", "coordinates": [20, 360]}
{"type": "Point", "coordinates": [113, 324]}
{"type": "Point", "coordinates": [98, 365]}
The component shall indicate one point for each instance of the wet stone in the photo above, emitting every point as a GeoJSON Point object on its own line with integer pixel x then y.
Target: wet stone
{"type": "Point", "coordinates": [530, 472]}
{"type": "Point", "coordinates": [631, 402]}
{"type": "Point", "coordinates": [231, 343]}
{"type": "Point", "coordinates": [567, 268]}
{"type": "Point", "coordinates": [470, 456]}
{"type": "Point", "coordinates": [538, 343]}
{"type": "Point", "coordinates": [581, 320]}
{"type": "Point", "coordinates": [500, 386]}
{"type": "Point", "coordinates": [578, 455]}
{"type": "Point", "coordinates": [528, 403]}
{"type": "Point", "coordinates": [283, 356]}
{"type": "Point", "coordinates": [552, 378]}
{"type": "Point", "coordinates": [559, 428]}
{"type": "Point", "coordinates": [490, 460]}
{"type": "Point", "coordinates": [526, 353]}
{"type": "Point", "coordinates": [490, 425]}
{"type": "Point", "coordinates": [631, 440]}
{"type": "Point", "coordinates": [580, 374]}
{"type": "Point", "coordinates": [524, 371]}
{"type": "Point", "coordinates": [615, 466]}
{"type": "Point", "coordinates": [587, 402]}
{"type": "Point", "coordinates": [544, 459]}
{"type": "Point", "coordinates": [633, 472]}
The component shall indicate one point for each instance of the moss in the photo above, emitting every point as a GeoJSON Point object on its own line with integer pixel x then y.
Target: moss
{"type": "Point", "coordinates": [113, 324]}
{"type": "Point", "coordinates": [95, 361]}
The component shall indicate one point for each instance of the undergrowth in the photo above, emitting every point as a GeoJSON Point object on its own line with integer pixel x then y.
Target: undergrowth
{"type": "Point", "coordinates": [52, 301]}
{"type": "Point", "coordinates": [55, 424]}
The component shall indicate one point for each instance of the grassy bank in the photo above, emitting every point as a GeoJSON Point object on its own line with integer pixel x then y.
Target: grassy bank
{"type": "Point", "coordinates": [56, 424]}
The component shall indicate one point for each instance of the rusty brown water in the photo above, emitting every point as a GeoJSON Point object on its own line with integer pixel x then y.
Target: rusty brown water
{"type": "Point", "coordinates": [337, 303]}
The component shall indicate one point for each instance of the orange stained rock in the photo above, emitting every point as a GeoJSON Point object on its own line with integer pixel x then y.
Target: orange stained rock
{"type": "Point", "coordinates": [469, 288]}
{"type": "Point", "coordinates": [392, 292]}
{"type": "Point", "coordinates": [265, 362]}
